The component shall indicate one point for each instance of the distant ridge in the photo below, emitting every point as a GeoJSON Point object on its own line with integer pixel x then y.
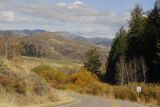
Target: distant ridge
{"type": "Point", "coordinates": [31, 32]}
{"type": "Point", "coordinates": [24, 32]}
{"type": "Point", "coordinates": [95, 41]}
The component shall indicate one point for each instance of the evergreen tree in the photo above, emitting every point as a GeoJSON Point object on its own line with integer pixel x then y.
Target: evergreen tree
{"type": "Point", "coordinates": [136, 29]}
{"type": "Point", "coordinates": [157, 59]}
{"type": "Point", "coordinates": [118, 49]}
{"type": "Point", "coordinates": [142, 42]}
{"type": "Point", "coordinates": [150, 37]}
{"type": "Point", "coordinates": [92, 61]}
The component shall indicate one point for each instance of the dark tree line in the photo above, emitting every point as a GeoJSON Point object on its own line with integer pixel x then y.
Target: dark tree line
{"type": "Point", "coordinates": [14, 47]}
{"type": "Point", "coordinates": [135, 54]}
{"type": "Point", "coordinates": [31, 49]}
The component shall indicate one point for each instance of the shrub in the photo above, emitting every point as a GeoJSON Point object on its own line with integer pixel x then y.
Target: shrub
{"type": "Point", "coordinates": [53, 76]}
{"type": "Point", "coordinates": [60, 77]}
{"type": "Point", "coordinates": [41, 68]}
{"type": "Point", "coordinates": [82, 78]}
{"type": "Point", "coordinates": [19, 88]}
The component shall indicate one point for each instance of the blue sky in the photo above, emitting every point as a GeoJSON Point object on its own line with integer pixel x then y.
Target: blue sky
{"type": "Point", "coordinates": [117, 5]}
{"type": "Point", "coordinates": [120, 5]}
{"type": "Point", "coordinates": [91, 18]}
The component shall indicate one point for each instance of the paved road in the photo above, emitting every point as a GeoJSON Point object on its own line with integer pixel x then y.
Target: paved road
{"type": "Point", "coordinates": [90, 101]}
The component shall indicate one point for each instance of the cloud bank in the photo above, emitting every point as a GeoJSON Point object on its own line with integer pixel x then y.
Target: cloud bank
{"type": "Point", "coordinates": [73, 17]}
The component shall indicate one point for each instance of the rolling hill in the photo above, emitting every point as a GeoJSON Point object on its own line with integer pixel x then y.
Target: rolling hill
{"type": "Point", "coordinates": [56, 46]}
{"type": "Point", "coordinates": [95, 41]}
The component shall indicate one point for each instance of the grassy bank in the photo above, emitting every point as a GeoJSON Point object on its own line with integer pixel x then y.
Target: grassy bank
{"type": "Point", "coordinates": [20, 86]}
{"type": "Point", "coordinates": [88, 83]}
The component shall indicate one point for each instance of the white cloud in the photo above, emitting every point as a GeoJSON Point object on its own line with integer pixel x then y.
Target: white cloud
{"type": "Point", "coordinates": [78, 3]}
{"type": "Point", "coordinates": [87, 29]}
{"type": "Point", "coordinates": [93, 30]}
{"type": "Point", "coordinates": [73, 5]}
{"type": "Point", "coordinates": [75, 13]}
{"type": "Point", "coordinates": [61, 4]}
{"type": "Point", "coordinates": [7, 16]}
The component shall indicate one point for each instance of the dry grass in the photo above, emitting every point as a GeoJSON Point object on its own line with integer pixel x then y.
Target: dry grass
{"type": "Point", "coordinates": [21, 86]}
{"type": "Point", "coordinates": [54, 47]}
{"type": "Point", "coordinates": [88, 83]}
{"type": "Point", "coordinates": [65, 66]}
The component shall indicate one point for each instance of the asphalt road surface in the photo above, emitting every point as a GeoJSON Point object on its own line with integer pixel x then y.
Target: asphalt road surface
{"type": "Point", "coordinates": [90, 101]}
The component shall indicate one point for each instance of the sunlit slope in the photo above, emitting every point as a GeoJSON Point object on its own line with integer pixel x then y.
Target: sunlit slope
{"type": "Point", "coordinates": [60, 48]}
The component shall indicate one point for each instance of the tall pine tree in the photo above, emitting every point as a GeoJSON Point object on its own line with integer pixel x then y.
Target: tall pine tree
{"type": "Point", "coordinates": [151, 38]}
{"type": "Point", "coordinates": [157, 57]}
{"type": "Point", "coordinates": [136, 29]}
{"type": "Point", "coordinates": [118, 49]}
{"type": "Point", "coordinates": [142, 41]}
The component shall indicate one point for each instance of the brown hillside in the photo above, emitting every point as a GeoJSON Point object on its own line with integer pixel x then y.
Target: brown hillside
{"type": "Point", "coordinates": [60, 48]}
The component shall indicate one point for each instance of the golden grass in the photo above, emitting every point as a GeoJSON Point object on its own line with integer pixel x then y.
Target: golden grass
{"type": "Point", "coordinates": [31, 62]}
{"type": "Point", "coordinates": [21, 86]}
{"type": "Point", "coordinates": [88, 83]}
{"type": "Point", "coordinates": [66, 100]}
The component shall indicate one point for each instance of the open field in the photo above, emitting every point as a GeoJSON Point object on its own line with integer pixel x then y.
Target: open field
{"type": "Point", "coordinates": [63, 65]}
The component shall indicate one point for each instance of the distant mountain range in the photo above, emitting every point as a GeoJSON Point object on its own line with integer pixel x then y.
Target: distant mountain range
{"type": "Point", "coordinates": [95, 41]}
{"type": "Point", "coordinates": [59, 45]}
{"type": "Point", "coordinates": [21, 32]}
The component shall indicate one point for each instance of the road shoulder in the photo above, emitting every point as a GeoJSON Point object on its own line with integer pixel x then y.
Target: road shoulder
{"type": "Point", "coordinates": [52, 104]}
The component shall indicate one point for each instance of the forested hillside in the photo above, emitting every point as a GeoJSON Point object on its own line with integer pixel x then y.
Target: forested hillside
{"type": "Point", "coordinates": [135, 53]}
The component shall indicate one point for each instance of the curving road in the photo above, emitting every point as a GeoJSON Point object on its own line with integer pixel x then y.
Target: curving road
{"type": "Point", "coordinates": [90, 101]}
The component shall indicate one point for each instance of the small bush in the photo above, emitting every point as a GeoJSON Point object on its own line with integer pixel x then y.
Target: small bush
{"type": "Point", "coordinates": [82, 78]}
{"type": "Point", "coordinates": [60, 77]}
{"type": "Point", "coordinates": [53, 76]}
{"type": "Point", "coordinates": [21, 89]}
{"type": "Point", "coordinates": [41, 68]}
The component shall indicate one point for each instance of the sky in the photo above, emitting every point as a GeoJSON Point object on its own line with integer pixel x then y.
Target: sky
{"type": "Point", "coordinates": [90, 18]}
